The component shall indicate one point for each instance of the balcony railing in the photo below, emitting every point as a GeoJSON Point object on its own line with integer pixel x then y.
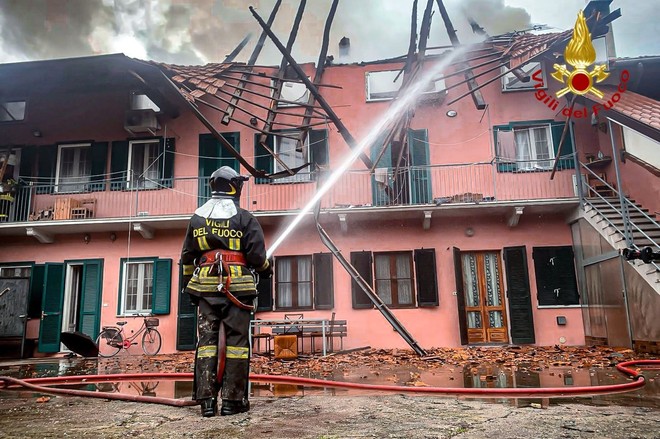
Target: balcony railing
{"type": "Point", "coordinates": [488, 182]}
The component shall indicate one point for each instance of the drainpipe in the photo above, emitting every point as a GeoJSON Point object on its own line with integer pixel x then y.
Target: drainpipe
{"type": "Point", "coordinates": [625, 300]}
{"type": "Point", "coordinates": [627, 230]}
{"type": "Point", "coordinates": [576, 163]}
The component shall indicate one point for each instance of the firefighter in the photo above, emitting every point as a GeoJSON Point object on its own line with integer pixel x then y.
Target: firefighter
{"type": "Point", "coordinates": [223, 247]}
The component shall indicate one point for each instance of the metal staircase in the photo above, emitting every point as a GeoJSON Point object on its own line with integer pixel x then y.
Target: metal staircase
{"type": "Point", "coordinates": [627, 225]}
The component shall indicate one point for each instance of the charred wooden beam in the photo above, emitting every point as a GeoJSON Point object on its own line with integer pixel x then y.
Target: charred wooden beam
{"type": "Point", "coordinates": [270, 117]}
{"type": "Point", "coordinates": [350, 140]}
{"type": "Point", "coordinates": [234, 53]}
{"type": "Point", "coordinates": [563, 137]}
{"type": "Point", "coordinates": [477, 97]}
{"type": "Point", "coordinates": [245, 90]}
{"type": "Point", "coordinates": [320, 67]}
{"type": "Point", "coordinates": [265, 75]}
{"type": "Point", "coordinates": [253, 59]}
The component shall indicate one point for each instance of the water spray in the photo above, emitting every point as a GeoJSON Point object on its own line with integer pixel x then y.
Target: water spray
{"type": "Point", "coordinates": [401, 105]}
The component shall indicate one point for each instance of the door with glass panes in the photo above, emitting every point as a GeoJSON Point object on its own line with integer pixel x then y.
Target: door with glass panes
{"type": "Point", "coordinates": [483, 292]}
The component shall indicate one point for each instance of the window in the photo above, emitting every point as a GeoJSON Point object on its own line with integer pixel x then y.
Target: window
{"type": "Point", "coordinates": [301, 282]}
{"type": "Point", "coordinates": [293, 154]}
{"type": "Point", "coordinates": [294, 92]}
{"type": "Point", "coordinates": [74, 167]}
{"type": "Point", "coordinates": [393, 275]}
{"type": "Point", "coordinates": [510, 82]}
{"type": "Point", "coordinates": [533, 147]}
{"type": "Point", "coordinates": [137, 287]}
{"type": "Point", "coordinates": [293, 282]}
{"type": "Point", "coordinates": [143, 164]}
{"type": "Point", "coordinates": [12, 111]}
{"type": "Point", "coordinates": [140, 101]}
{"type": "Point", "coordinates": [384, 85]}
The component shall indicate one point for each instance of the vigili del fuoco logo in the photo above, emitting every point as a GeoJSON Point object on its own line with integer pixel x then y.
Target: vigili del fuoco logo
{"type": "Point", "coordinates": [580, 54]}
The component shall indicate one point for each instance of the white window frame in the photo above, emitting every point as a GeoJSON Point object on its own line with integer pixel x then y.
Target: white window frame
{"type": "Point", "coordinates": [84, 179]}
{"type": "Point", "coordinates": [436, 87]}
{"type": "Point", "coordinates": [302, 99]}
{"type": "Point", "coordinates": [140, 101]}
{"type": "Point", "coordinates": [533, 162]}
{"type": "Point", "coordinates": [135, 182]}
{"type": "Point", "coordinates": [140, 287]}
{"type": "Point", "coordinates": [12, 111]}
{"type": "Point", "coordinates": [510, 82]}
{"type": "Point", "coordinates": [302, 176]}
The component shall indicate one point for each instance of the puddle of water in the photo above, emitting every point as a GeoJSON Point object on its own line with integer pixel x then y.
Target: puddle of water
{"type": "Point", "coordinates": [481, 376]}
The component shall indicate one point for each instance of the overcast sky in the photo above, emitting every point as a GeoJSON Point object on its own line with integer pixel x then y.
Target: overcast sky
{"type": "Point", "coordinates": [202, 31]}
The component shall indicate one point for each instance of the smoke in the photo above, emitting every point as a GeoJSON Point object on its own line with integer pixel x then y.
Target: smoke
{"type": "Point", "coordinates": [202, 31]}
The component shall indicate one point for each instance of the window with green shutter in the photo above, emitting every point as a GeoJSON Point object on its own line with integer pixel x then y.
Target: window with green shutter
{"type": "Point", "coordinates": [142, 164]}
{"type": "Point", "coordinates": [145, 286]}
{"type": "Point", "coordinates": [313, 150]}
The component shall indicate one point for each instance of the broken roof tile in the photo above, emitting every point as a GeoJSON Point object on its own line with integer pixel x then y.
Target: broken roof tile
{"type": "Point", "coordinates": [631, 104]}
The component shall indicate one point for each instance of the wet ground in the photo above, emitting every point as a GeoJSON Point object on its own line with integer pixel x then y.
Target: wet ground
{"type": "Point", "coordinates": [284, 410]}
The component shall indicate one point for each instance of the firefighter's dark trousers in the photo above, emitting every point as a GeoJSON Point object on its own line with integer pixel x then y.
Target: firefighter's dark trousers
{"type": "Point", "coordinates": [236, 323]}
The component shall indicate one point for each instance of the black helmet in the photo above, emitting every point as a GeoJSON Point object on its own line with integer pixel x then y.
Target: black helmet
{"type": "Point", "coordinates": [225, 182]}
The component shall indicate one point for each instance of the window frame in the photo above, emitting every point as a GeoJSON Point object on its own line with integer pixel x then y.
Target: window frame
{"type": "Point", "coordinates": [123, 286]}
{"type": "Point", "coordinates": [526, 86]}
{"type": "Point", "coordinates": [58, 165]}
{"type": "Point", "coordinates": [301, 176]}
{"type": "Point", "coordinates": [294, 290]}
{"type": "Point", "coordinates": [532, 164]}
{"type": "Point", "coordinates": [302, 100]}
{"type": "Point", "coordinates": [393, 279]}
{"type": "Point", "coordinates": [399, 81]}
{"type": "Point", "coordinates": [137, 183]}
{"type": "Point", "coordinates": [6, 112]}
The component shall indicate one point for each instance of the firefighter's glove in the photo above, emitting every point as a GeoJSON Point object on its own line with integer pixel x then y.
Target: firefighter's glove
{"type": "Point", "coordinates": [267, 273]}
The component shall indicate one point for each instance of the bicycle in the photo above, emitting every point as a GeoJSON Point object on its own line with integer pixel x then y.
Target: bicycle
{"type": "Point", "coordinates": [111, 339]}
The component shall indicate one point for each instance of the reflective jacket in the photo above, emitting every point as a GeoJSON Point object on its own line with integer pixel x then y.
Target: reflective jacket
{"type": "Point", "coordinates": [221, 225]}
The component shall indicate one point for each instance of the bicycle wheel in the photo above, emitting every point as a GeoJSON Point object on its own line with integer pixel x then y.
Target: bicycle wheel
{"type": "Point", "coordinates": [109, 342]}
{"type": "Point", "coordinates": [151, 341]}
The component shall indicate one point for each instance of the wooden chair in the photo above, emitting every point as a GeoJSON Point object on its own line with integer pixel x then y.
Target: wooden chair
{"type": "Point", "coordinates": [258, 336]}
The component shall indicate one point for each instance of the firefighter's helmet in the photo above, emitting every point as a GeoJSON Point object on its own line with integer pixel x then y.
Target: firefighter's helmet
{"type": "Point", "coordinates": [225, 182]}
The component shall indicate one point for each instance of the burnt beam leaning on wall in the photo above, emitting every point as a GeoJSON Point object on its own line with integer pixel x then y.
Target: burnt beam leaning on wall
{"type": "Point", "coordinates": [234, 53]}
{"type": "Point", "coordinates": [343, 131]}
{"type": "Point", "coordinates": [278, 83]}
{"type": "Point", "coordinates": [251, 62]}
{"type": "Point", "coordinates": [477, 97]}
{"type": "Point", "coordinates": [320, 67]}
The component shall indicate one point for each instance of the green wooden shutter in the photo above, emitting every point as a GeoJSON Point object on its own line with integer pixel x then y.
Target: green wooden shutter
{"type": "Point", "coordinates": [318, 149]}
{"type": "Point", "coordinates": [26, 166]}
{"type": "Point", "coordinates": [427, 282]}
{"type": "Point", "coordinates": [90, 300]}
{"type": "Point", "coordinates": [167, 161]}
{"type": "Point", "coordinates": [262, 158]}
{"type": "Point", "coordinates": [160, 302]}
{"type": "Point", "coordinates": [118, 165]}
{"type": "Point", "coordinates": [186, 324]}
{"type": "Point", "coordinates": [36, 290]}
{"type": "Point", "coordinates": [460, 296]}
{"type": "Point", "coordinates": [420, 177]}
{"type": "Point", "coordinates": [566, 150]}
{"type": "Point", "coordinates": [323, 285]}
{"type": "Point", "coordinates": [362, 263]}
{"type": "Point", "coordinates": [380, 190]}
{"type": "Point", "coordinates": [51, 321]}
{"type": "Point", "coordinates": [213, 156]}
{"type": "Point", "coordinates": [265, 294]}
{"type": "Point", "coordinates": [519, 295]}
{"type": "Point", "coordinates": [46, 162]}
{"type": "Point", "coordinates": [99, 166]}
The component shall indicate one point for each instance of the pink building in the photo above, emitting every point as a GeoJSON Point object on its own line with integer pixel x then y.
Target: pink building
{"type": "Point", "coordinates": [463, 235]}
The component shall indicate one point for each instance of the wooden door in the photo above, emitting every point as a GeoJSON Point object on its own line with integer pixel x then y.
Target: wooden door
{"type": "Point", "coordinates": [484, 299]}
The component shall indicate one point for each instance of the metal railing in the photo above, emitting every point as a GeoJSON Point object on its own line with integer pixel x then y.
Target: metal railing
{"type": "Point", "coordinates": [482, 182]}
{"type": "Point", "coordinates": [623, 208]}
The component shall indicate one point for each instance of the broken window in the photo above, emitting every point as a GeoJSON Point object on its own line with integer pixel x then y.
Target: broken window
{"type": "Point", "coordinates": [74, 167]}
{"type": "Point", "coordinates": [294, 154]}
{"type": "Point", "coordinates": [511, 82]}
{"type": "Point", "coordinates": [12, 111]}
{"type": "Point", "coordinates": [293, 92]}
{"type": "Point", "coordinates": [385, 85]}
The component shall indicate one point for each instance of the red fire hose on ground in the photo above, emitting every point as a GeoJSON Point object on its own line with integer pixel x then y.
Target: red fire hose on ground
{"type": "Point", "coordinates": [40, 385]}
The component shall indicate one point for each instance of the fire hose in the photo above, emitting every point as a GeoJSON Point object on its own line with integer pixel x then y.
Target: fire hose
{"type": "Point", "coordinates": [40, 385]}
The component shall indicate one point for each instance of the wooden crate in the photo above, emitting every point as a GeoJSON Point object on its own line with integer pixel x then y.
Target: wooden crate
{"type": "Point", "coordinates": [63, 208]}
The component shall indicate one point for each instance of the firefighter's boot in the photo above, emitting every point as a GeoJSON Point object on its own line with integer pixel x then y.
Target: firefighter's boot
{"type": "Point", "coordinates": [230, 407]}
{"type": "Point", "coordinates": [209, 407]}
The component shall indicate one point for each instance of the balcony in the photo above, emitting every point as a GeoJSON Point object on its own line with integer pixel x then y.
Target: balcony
{"type": "Point", "coordinates": [100, 204]}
